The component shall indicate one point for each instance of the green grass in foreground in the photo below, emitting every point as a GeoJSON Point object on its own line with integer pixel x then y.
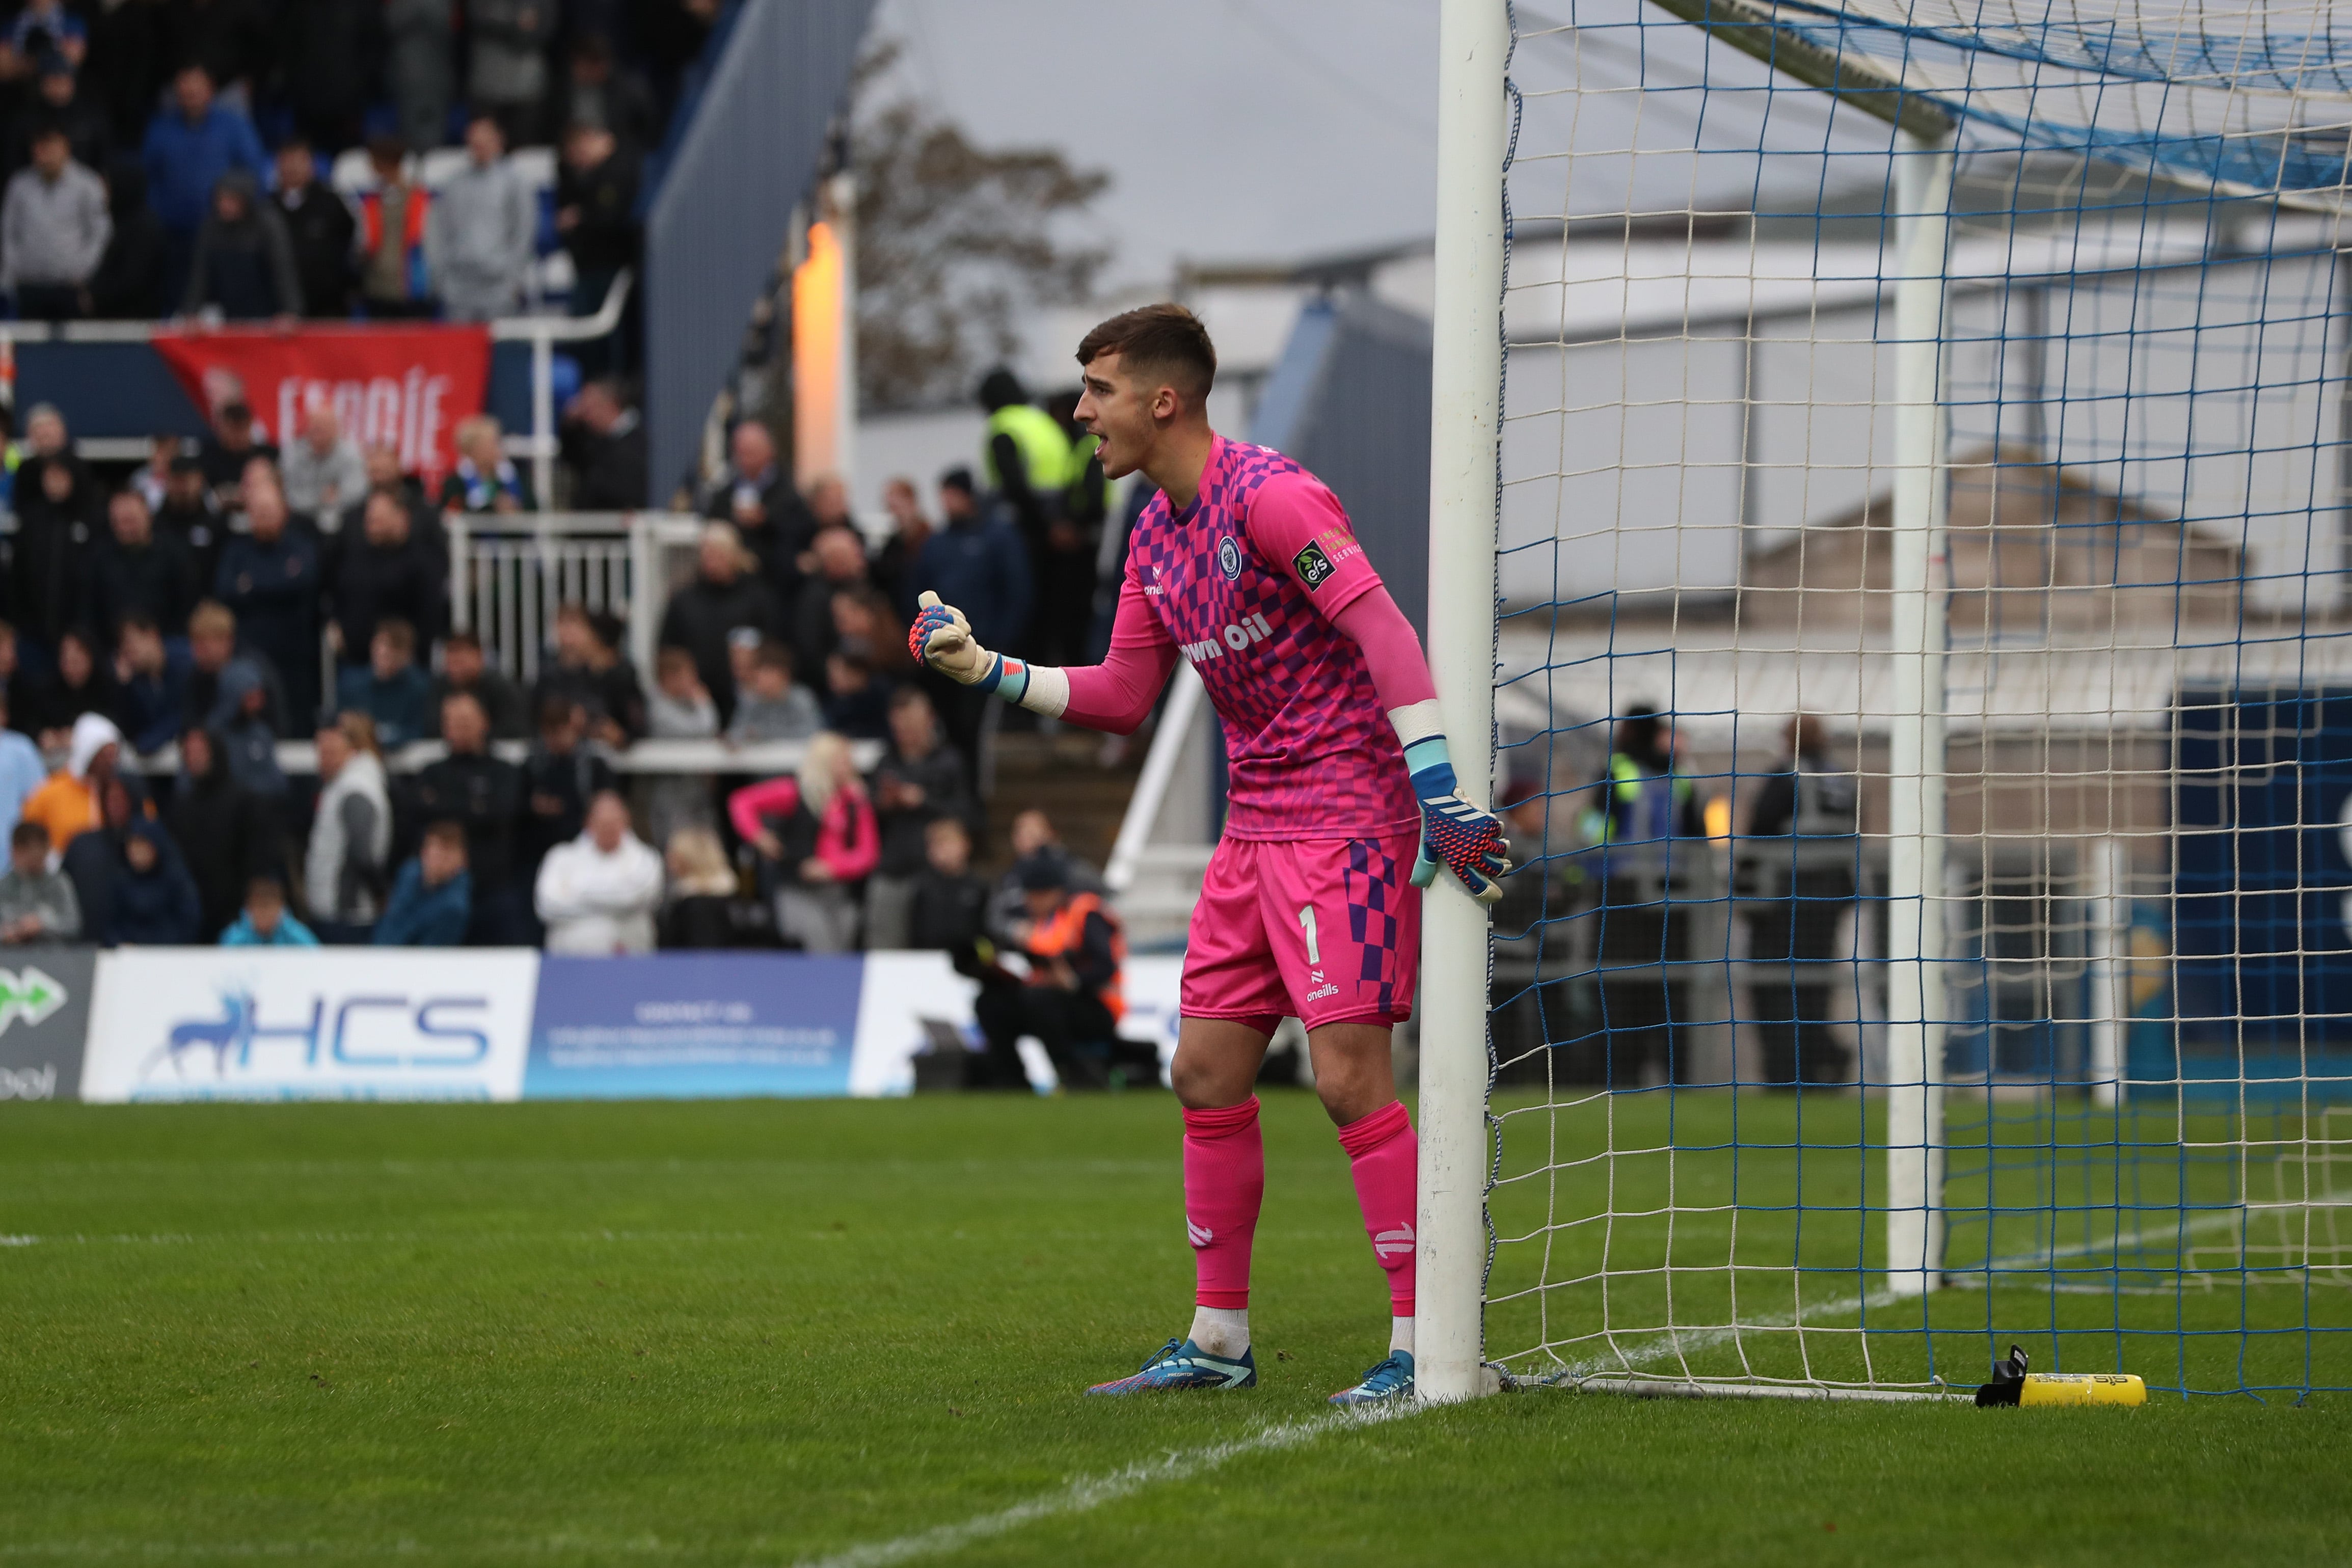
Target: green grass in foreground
{"type": "Point", "coordinates": [763, 1331]}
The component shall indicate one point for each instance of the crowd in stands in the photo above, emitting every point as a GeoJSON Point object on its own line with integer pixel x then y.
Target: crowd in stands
{"type": "Point", "coordinates": [169, 157]}
{"type": "Point", "coordinates": [163, 638]}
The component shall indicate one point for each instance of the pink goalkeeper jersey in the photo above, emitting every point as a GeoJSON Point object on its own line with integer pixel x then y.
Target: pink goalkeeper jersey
{"type": "Point", "coordinates": [1244, 581]}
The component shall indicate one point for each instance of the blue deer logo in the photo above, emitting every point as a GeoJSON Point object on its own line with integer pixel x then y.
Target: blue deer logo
{"type": "Point", "coordinates": [233, 1031]}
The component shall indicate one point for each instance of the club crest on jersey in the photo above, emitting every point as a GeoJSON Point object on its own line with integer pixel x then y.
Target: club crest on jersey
{"type": "Point", "coordinates": [1313, 567]}
{"type": "Point", "coordinates": [1229, 559]}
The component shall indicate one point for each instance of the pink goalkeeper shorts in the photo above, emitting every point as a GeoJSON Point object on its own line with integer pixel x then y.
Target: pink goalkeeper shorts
{"type": "Point", "coordinates": [1326, 931]}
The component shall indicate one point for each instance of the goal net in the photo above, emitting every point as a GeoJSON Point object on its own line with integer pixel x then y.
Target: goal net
{"type": "Point", "coordinates": [1924, 694]}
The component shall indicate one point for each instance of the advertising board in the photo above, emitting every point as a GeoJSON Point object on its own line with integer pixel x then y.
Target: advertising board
{"type": "Point", "coordinates": [693, 1025]}
{"type": "Point", "coordinates": [316, 1024]}
{"type": "Point", "coordinates": [44, 1017]}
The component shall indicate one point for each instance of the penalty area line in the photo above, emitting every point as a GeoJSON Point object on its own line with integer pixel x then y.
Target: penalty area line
{"type": "Point", "coordinates": [1086, 1493]}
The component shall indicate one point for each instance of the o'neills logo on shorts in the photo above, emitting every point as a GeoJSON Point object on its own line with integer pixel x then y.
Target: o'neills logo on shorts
{"type": "Point", "coordinates": [1327, 990]}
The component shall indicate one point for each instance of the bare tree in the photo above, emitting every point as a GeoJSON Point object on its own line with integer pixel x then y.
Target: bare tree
{"type": "Point", "coordinates": [953, 241]}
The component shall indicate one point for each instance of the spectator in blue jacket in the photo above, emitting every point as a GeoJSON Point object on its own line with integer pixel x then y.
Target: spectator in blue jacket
{"type": "Point", "coordinates": [982, 558]}
{"type": "Point", "coordinates": [390, 688]}
{"type": "Point", "coordinates": [264, 920]}
{"type": "Point", "coordinates": [152, 682]}
{"type": "Point", "coordinates": [189, 147]}
{"type": "Point", "coordinates": [433, 898]}
{"type": "Point", "coordinates": [269, 577]}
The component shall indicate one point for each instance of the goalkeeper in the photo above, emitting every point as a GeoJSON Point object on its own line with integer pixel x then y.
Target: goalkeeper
{"type": "Point", "coordinates": [1341, 805]}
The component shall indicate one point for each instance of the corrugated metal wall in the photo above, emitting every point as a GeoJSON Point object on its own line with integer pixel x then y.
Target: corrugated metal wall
{"type": "Point", "coordinates": [1349, 399]}
{"type": "Point", "coordinates": [719, 224]}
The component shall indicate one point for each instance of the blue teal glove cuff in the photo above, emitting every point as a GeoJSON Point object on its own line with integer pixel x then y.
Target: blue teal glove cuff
{"type": "Point", "coordinates": [1432, 767]}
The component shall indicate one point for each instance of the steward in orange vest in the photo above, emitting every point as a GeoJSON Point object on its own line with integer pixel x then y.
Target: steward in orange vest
{"type": "Point", "coordinates": [1072, 998]}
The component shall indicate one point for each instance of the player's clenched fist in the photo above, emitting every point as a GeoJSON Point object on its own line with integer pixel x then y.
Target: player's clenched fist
{"type": "Point", "coordinates": [941, 638]}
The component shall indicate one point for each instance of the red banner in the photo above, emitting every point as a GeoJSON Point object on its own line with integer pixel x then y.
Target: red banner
{"type": "Point", "coordinates": [400, 386]}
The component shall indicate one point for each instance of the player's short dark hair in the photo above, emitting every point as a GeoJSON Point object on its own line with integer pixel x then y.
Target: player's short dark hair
{"type": "Point", "coordinates": [1164, 342]}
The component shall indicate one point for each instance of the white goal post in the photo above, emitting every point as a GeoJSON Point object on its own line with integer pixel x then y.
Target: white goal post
{"type": "Point", "coordinates": [1464, 508]}
{"type": "Point", "coordinates": [1970, 391]}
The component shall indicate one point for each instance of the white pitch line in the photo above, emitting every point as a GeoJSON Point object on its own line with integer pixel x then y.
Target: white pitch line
{"type": "Point", "coordinates": [1089, 1492]}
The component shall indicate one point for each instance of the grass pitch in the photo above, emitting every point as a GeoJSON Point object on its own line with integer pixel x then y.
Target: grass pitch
{"type": "Point", "coordinates": [783, 1333]}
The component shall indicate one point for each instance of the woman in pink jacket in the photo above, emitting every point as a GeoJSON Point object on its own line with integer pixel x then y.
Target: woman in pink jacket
{"type": "Point", "coordinates": [818, 841]}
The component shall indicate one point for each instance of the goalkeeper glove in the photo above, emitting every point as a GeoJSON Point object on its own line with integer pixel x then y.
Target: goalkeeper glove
{"type": "Point", "coordinates": [1455, 833]}
{"type": "Point", "coordinates": [942, 639]}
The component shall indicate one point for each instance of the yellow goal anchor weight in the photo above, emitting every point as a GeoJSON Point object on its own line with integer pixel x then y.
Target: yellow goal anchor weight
{"type": "Point", "coordinates": [2016, 1386]}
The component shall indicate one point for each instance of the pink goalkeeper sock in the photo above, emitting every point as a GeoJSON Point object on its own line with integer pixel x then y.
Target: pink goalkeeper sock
{"type": "Point", "coordinates": [1224, 1181]}
{"type": "Point", "coordinates": [1385, 1157]}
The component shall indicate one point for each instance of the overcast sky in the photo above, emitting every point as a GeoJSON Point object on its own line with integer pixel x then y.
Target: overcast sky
{"type": "Point", "coordinates": [1233, 130]}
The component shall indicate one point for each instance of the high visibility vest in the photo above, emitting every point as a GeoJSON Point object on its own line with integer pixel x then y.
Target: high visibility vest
{"type": "Point", "coordinates": [1044, 450]}
{"type": "Point", "coordinates": [1068, 931]}
{"type": "Point", "coordinates": [1078, 501]}
{"type": "Point", "coordinates": [1637, 838]}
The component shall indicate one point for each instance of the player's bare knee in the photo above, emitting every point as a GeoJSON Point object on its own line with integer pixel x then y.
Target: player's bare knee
{"type": "Point", "coordinates": [1205, 1085]}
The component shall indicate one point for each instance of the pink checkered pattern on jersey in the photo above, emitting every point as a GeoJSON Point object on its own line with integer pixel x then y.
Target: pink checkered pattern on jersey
{"type": "Point", "coordinates": [1310, 753]}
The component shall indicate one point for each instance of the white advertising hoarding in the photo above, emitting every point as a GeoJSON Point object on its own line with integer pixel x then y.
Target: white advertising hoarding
{"type": "Point", "coordinates": [315, 1024]}
{"type": "Point", "coordinates": [905, 992]}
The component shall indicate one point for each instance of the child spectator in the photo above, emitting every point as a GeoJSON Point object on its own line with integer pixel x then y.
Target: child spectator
{"type": "Point", "coordinates": [351, 834]}
{"type": "Point", "coordinates": [37, 904]}
{"type": "Point", "coordinates": [816, 840]}
{"type": "Point", "coordinates": [390, 688]}
{"type": "Point", "coordinates": [155, 903]}
{"type": "Point", "coordinates": [464, 668]}
{"type": "Point", "coordinates": [679, 710]}
{"type": "Point", "coordinates": [561, 776]}
{"type": "Point", "coordinates": [918, 781]}
{"type": "Point", "coordinates": [950, 907]}
{"type": "Point", "coordinates": [700, 912]}
{"type": "Point", "coordinates": [774, 708]}
{"type": "Point", "coordinates": [433, 898]}
{"type": "Point", "coordinates": [265, 922]}
{"type": "Point", "coordinates": [855, 703]}
{"type": "Point", "coordinates": [597, 894]}
{"type": "Point", "coordinates": [484, 480]}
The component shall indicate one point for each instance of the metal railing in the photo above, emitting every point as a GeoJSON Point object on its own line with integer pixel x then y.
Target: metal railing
{"type": "Point", "coordinates": [508, 573]}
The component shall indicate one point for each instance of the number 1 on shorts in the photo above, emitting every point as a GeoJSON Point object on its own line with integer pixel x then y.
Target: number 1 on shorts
{"type": "Point", "coordinates": [1306, 919]}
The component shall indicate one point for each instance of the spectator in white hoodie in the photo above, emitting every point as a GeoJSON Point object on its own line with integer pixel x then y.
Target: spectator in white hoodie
{"type": "Point", "coordinates": [598, 893]}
